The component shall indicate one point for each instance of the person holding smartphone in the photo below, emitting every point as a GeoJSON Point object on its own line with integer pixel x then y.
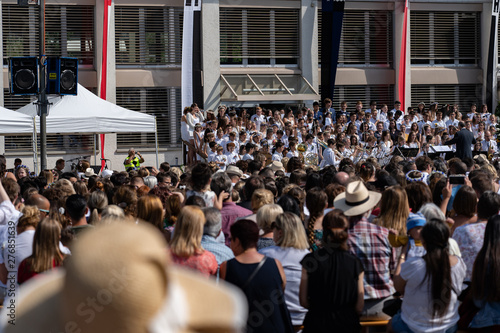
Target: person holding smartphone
{"type": "Point", "coordinates": [133, 162]}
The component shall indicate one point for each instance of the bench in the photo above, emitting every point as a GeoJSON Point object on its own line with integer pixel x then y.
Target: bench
{"type": "Point", "coordinates": [372, 323]}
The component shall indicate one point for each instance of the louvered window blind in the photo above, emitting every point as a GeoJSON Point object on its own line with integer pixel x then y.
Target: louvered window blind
{"type": "Point", "coordinates": [164, 103]}
{"type": "Point", "coordinates": [69, 32]}
{"type": "Point", "coordinates": [462, 94]}
{"type": "Point", "coordinates": [367, 38]}
{"type": "Point", "coordinates": [259, 36]}
{"type": "Point", "coordinates": [445, 38]}
{"type": "Point", "coordinates": [383, 94]}
{"type": "Point", "coordinates": [148, 35]}
{"type": "Point", "coordinates": [72, 144]}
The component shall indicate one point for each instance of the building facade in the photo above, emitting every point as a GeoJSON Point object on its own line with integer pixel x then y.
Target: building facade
{"type": "Point", "coordinates": [254, 52]}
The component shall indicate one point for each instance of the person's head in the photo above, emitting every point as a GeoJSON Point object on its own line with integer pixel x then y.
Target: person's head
{"type": "Point", "coordinates": [435, 235]}
{"type": "Point", "coordinates": [213, 222]}
{"type": "Point", "coordinates": [465, 202]}
{"type": "Point", "coordinates": [46, 246]}
{"type": "Point", "coordinates": [253, 183]}
{"type": "Point", "coordinates": [486, 271]}
{"type": "Point", "coordinates": [316, 201]}
{"type": "Point", "coordinates": [394, 209]}
{"type": "Point", "coordinates": [266, 215]}
{"type": "Point", "coordinates": [200, 176]}
{"type": "Point", "coordinates": [97, 202]}
{"type": "Point", "coordinates": [29, 218]}
{"type": "Point", "coordinates": [76, 207]}
{"type": "Point", "coordinates": [12, 188]}
{"type": "Point", "coordinates": [261, 197]}
{"type": "Point", "coordinates": [367, 171]}
{"type": "Point", "coordinates": [289, 204]}
{"type": "Point", "coordinates": [125, 197]}
{"type": "Point", "coordinates": [150, 209]}
{"type": "Point", "coordinates": [22, 172]}
{"type": "Point", "coordinates": [186, 240]}
{"type": "Point", "coordinates": [424, 164]}
{"type": "Point", "coordinates": [335, 225]}
{"type": "Point", "coordinates": [289, 232]}
{"type": "Point", "coordinates": [60, 163]}
{"type": "Point", "coordinates": [414, 225]}
{"type": "Point", "coordinates": [488, 205]}
{"type": "Point", "coordinates": [221, 182]}
{"type": "Point", "coordinates": [418, 194]}
{"type": "Point", "coordinates": [244, 236]}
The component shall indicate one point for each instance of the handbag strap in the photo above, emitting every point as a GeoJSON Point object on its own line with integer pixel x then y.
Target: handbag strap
{"type": "Point", "coordinates": [256, 270]}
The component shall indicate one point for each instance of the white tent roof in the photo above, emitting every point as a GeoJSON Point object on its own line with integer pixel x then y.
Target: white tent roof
{"type": "Point", "coordinates": [88, 113]}
{"type": "Point", "coordinates": [12, 122]}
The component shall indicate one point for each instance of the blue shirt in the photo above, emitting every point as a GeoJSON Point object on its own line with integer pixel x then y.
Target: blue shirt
{"type": "Point", "coordinates": [220, 251]}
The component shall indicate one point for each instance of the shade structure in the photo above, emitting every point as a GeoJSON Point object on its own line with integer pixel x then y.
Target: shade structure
{"type": "Point", "coordinates": [15, 123]}
{"type": "Point", "coordinates": [88, 113]}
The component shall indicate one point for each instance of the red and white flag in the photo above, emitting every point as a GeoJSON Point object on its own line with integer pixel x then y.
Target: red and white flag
{"type": "Point", "coordinates": [104, 66]}
{"type": "Point", "coordinates": [402, 61]}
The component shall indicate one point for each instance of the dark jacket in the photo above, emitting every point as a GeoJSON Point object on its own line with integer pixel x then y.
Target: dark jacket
{"type": "Point", "coordinates": [464, 139]}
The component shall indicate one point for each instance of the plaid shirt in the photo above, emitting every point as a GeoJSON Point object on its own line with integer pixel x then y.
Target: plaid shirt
{"type": "Point", "coordinates": [370, 244]}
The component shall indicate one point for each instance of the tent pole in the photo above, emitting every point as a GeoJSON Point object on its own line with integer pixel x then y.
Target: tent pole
{"type": "Point", "coordinates": [156, 143]}
{"type": "Point", "coordinates": [95, 152]}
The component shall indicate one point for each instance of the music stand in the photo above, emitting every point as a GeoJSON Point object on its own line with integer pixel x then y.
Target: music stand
{"type": "Point", "coordinates": [475, 153]}
{"type": "Point", "coordinates": [444, 152]}
{"type": "Point", "coordinates": [409, 152]}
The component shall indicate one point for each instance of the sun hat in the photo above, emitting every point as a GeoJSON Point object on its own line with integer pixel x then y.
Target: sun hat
{"type": "Point", "coordinates": [234, 170]}
{"type": "Point", "coordinates": [106, 173]}
{"type": "Point", "coordinates": [356, 199]}
{"type": "Point", "coordinates": [89, 172]}
{"type": "Point", "coordinates": [276, 165]}
{"type": "Point", "coordinates": [132, 289]}
{"type": "Point", "coordinates": [415, 220]}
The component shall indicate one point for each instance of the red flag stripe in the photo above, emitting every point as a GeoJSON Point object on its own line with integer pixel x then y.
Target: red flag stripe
{"type": "Point", "coordinates": [104, 68]}
{"type": "Point", "coordinates": [402, 63]}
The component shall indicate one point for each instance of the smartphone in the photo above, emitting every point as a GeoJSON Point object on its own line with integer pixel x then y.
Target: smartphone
{"type": "Point", "coordinates": [150, 169]}
{"type": "Point", "coordinates": [457, 179]}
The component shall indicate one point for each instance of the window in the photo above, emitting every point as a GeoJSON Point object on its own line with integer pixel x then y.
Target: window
{"type": "Point", "coordinates": [259, 36]}
{"type": "Point", "coordinates": [164, 103]}
{"type": "Point", "coordinates": [367, 38]}
{"type": "Point", "coordinates": [148, 35]}
{"type": "Point", "coordinates": [445, 38]}
{"type": "Point", "coordinates": [78, 143]}
{"type": "Point", "coordinates": [383, 94]}
{"type": "Point", "coordinates": [69, 32]}
{"type": "Point", "coordinates": [462, 94]}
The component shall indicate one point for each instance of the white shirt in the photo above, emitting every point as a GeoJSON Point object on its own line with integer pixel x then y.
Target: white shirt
{"type": "Point", "coordinates": [291, 154]}
{"type": "Point", "coordinates": [416, 311]}
{"type": "Point", "coordinates": [232, 157]}
{"type": "Point", "coordinates": [328, 158]}
{"type": "Point", "coordinates": [247, 157]}
{"type": "Point", "coordinates": [277, 157]}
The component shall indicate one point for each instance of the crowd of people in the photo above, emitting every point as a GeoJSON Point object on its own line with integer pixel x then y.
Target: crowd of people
{"type": "Point", "coordinates": [311, 243]}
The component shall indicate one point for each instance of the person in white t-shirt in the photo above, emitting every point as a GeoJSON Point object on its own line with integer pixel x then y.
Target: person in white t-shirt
{"type": "Point", "coordinates": [278, 151]}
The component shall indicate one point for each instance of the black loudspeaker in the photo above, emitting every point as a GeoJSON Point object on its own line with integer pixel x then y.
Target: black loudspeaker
{"type": "Point", "coordinates": [68, 76]}
{"type": "Point", "coordinates": [23, 75]}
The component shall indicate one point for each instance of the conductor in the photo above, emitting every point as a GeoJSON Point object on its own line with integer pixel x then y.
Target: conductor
{"type": "Point", "coordinates": [133, 162]}
{"type": "Point", "coordinates": [463, 139]}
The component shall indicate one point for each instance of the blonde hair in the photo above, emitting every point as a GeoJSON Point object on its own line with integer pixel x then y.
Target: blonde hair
{"type": "Point", "coordinates": [112, 212]}
{"type": "Point", "coordinates": [186, 240]}
{"type": "Point", "coordinates": [46, 251]}
{"type": "Point", "coordinates": [30, 218]}
{"type": "Point", "coordinates": [294, 234]}
{"type": "Point", "coordinates": [261, 197]}
{"type": "Point", "coordinates": [394, 209]}
{"type": "Point", "coordinates": [150, 209]}
{"type": "Point", "coordinates": [98, 200]}
{"type": "Point", "coordinates": [266, 215]}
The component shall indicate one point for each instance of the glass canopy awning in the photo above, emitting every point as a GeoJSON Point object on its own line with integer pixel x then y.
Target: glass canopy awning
{"type": "Point", "coordinates": [266, 87]}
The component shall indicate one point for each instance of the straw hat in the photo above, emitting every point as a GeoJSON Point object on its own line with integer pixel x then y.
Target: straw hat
{"type": "Point", "coordinates": [111, 286]}
{"type": "Point", "coordinates": [276, 165]}
{"type": "Point", "coordinates": [89, 172]}
{"type": "Point", "coordinates": [234, 170]}
{"type": "Point", "coordinates": [356, 200]}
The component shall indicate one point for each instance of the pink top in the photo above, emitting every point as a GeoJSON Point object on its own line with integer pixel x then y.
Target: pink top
{"type": "Point", "coordinates": [204, 262]}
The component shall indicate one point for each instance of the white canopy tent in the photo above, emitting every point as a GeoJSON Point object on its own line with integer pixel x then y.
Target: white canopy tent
{"type": "Point", "coordinates": [15, 123]}
{"type": "Point", "coordinates": [87, 113]}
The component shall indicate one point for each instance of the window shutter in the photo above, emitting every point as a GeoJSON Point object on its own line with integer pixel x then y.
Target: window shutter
{"type": "Point", "coordinates": [463, 95]}
{"type": "Point", "coordinates": [164, 103]}
{"type": "Point", "coordinates": [367, 38]}
{"type": "Point", "coordinates": [445, 38]}
{"type": "Point", "coordinates": [69, 32]}
{"type": "Point", "coordinates": [148, 35]}
{"type": "Point", "coordinates": [383, 94]}
{"type": "Point", "coordinates": [259, 35]}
